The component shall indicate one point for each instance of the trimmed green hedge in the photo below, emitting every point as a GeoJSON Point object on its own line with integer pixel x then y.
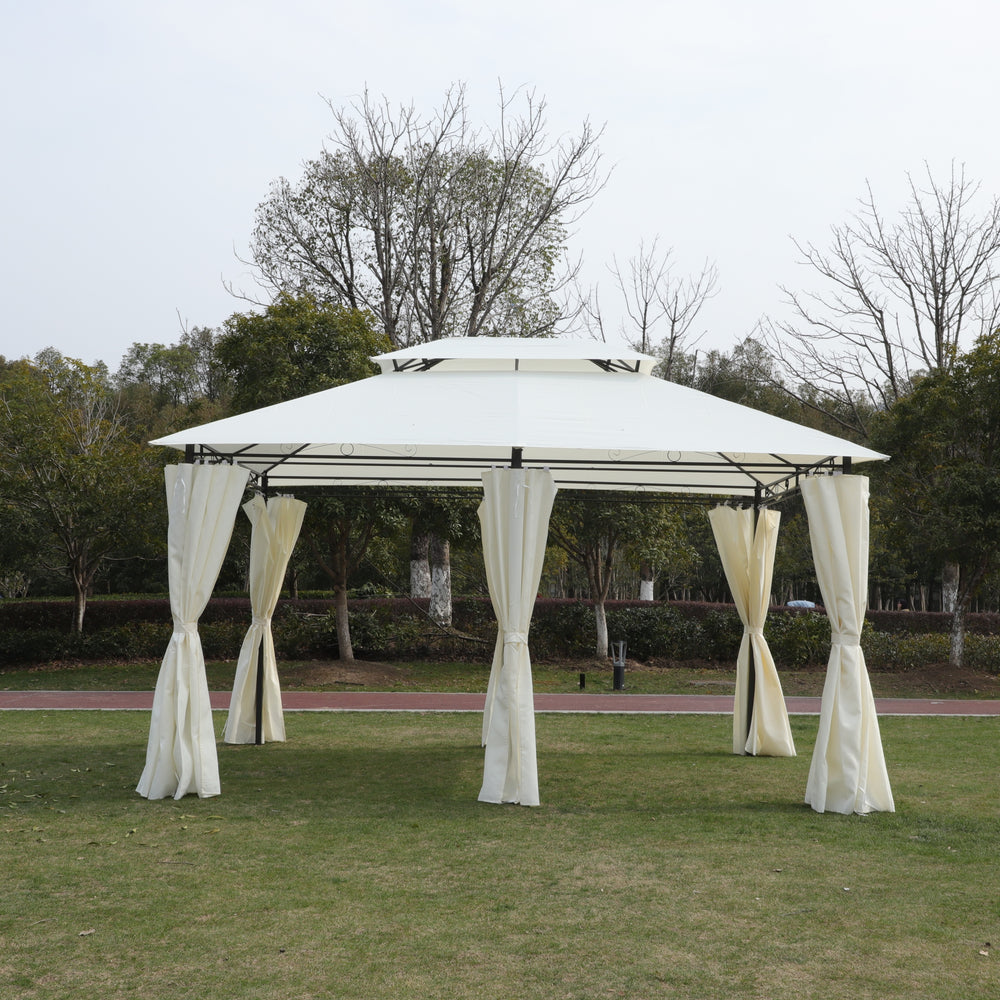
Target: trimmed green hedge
{"type": "Point", "coordinates": [398, 628]}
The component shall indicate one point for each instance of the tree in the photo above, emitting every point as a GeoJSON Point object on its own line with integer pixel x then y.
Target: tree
{"type": "Point", "coordinates": [896, 300]}
{"type": "Point", "coordinates": [436, 228]}
{"type": "Point", "coordinates": [71, 469]}
{"type": "Point", "coordinates": [660, 306]}
{"type": "Point", "coordinates": [593, 529]}
{"type": "Point", "coordinates": [179, 374]}
{"type": "Point", "coordinates": [297, 346]}
{"type": "Point", "coordinates": [169, 386]}
{"type": "Point", "coordinates": [941, 489]}
{"type": "Point", "coordinates": [746, 375]}
{"type": "Point", "coordinates": [339, 532]}
{"type": "Point", "coordinates": [438, 519]}
{"type": "Point", "coordinates": [18, 545]}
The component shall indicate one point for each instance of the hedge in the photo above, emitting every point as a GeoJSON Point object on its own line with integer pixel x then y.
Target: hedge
{"type": "Point", "coordinates": [399, 628]}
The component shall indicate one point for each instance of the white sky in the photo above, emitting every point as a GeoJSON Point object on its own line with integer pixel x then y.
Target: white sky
{"type": "Point", "coordinates": [140, 136]}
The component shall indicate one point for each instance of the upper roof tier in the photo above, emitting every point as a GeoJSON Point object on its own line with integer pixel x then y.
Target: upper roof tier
{"type": "Point", "coordinates": [547, 354]}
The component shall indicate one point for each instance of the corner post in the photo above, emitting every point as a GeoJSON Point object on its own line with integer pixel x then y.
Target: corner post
{"type": "Point", "coordinates": [752, 670]}
{"type": "Point", "coordinates": [259, 690]}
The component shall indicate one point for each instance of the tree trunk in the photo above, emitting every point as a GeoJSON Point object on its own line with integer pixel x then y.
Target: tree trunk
{"type": "Point", "coordinates": [420, 568]}
{"type": "Point", "coordinates": [344, 647]}
{"type": "Point", "coordinates": [956, 649]}
{"type": "Point", "coordinates": [599, 575]}
{"type": "Point", "coordinates": [950, 575]}
{"type": "Point", "coordinates": [645, 582]}
{"type": "Point", "coordinates": [440, 561]}
{"type": "Point", "coordinates": [339, 565]}
{"type": "Point", "coordinates": [602, 629]}
{"type": "Point", "coordinates": [83, 578]}
{"type": "Point", "coordinates": [966, 593]}
{"type": "Point", "coordinates": [79, 606]}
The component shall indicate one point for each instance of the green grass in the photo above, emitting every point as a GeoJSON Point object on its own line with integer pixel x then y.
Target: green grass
{"type": "Point", "coordinates": [354, 861]}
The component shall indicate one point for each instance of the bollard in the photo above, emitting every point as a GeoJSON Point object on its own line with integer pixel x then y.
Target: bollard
{"type": "Point", "coordinates": [583, 681]}
{"type": "Point", "coordinates": [618, 662]}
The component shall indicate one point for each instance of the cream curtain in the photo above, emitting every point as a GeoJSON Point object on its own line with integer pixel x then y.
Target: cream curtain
{"type": "Point", "coordinates": [748, 560]}
{"type": "Point", "coordinates": [202, 502]}
{"type": "Point", "coordinates": [275, 529]}
{"type": "Point", "coordinates": [514, 515]}
{"type": "Point", "coordinates": [847, 773]}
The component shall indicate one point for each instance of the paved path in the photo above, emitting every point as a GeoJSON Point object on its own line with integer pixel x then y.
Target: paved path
{"type": "Point", "coordinates": [393, 701]}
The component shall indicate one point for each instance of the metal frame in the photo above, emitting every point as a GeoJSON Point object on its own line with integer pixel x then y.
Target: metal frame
{"type": "Point", "coordinates": [771, 481]}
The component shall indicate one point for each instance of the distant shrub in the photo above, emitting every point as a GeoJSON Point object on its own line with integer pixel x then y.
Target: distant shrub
{"type": "Point", "coordinates": [398, 628]}
{"type": "Point", "coordinates": [562, 629]}
{"type": "Point", "coordinates": [798, 639]}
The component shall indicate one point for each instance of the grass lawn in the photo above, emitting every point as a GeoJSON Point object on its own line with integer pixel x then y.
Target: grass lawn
{"type": "Point", "coordinates": [354, 861]}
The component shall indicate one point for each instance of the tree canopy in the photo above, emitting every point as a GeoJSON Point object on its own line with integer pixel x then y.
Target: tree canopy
{"type": "Point", "coordinates": [72, 471]}
{"type": "Point", "coordinates": [942, 485]}
{"type": "Point", "coordinates": [434, 227]}
{"type": "Point", "coordinates": [296, 346]}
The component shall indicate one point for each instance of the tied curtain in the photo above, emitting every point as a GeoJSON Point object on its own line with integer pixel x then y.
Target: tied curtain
{"type": "Point", "coordinates": [181, 758]}
{"type": "Point", "coordinates": [747, 554]}
{"type": "Point", "coordinates": [514, 515]}
{"type": "Point", "coordinates": [275, 529]}
{"type": "Point", "coordinates": [847, 773]}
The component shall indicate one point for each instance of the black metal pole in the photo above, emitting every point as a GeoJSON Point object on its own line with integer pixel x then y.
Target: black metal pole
{"type": "Point", "coordinates": [751, 671]}
{"type": "Point", "coordinates": [259, 697]}
{"type": "Point", "coordinates": [259, 691]}
{"type": "Point", "coordinates": [515, 458]}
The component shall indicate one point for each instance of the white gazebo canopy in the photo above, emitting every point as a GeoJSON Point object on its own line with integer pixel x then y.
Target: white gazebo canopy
{"type": "Point", "coordinates": [590, 412]}
{"type": "Point", "coordinates": [525, 417]}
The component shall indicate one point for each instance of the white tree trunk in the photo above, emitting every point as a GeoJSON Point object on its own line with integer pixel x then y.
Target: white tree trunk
{"type": "Point", "coordinates": [645, 582]}
{"type": "Point", "coordinates": [602, 630]}
{"type": "Point", "coordinates": [440, 561]}
{"type": "Point", "coordinates": [956, 652]}
{"type": "Point", "coordinates": [420, 567]}
{"type": "Point", "coordinates": [949, 586]}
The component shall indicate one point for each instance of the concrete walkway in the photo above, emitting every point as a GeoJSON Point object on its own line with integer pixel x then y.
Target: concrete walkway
{"type": "Point", "coordinates": [393, 701]}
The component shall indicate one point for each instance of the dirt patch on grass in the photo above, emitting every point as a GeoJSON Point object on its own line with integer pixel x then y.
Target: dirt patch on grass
{"type": "Point", "coordinates": [327, 673]}
{"type": "Point", "coordinates": [939, 679]}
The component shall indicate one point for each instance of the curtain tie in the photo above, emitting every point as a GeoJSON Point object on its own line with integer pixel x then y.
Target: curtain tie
{"type": "Point", "coordinates": [845, 639]}
{"type": "Point", "coordinates": [753, 631]}
{"type": "Point", "coordinates": [515, 639]}
{"type": "Point", "coordinates": [262, 621]}
{"type": "Point", "coordinates": [185, 628]}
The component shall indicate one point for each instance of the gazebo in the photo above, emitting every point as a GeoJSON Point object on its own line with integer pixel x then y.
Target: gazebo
{"type": "Point", "coordinates": [521, 418]}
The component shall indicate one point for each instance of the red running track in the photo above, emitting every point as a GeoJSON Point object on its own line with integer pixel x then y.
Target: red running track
{"type": "Point", "coordinates": [396, 701]}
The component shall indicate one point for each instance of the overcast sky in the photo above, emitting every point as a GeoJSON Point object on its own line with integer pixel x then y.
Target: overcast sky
{"type": "Point", "coordinates": [140, 136]}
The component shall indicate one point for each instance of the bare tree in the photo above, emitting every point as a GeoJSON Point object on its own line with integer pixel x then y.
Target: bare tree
{"type": "Point", "coordinates": [437, 228]}
{"type": "Point", "coordinates": [895, 300]}
{"type": "Point", "coordinates": [660, 306]}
